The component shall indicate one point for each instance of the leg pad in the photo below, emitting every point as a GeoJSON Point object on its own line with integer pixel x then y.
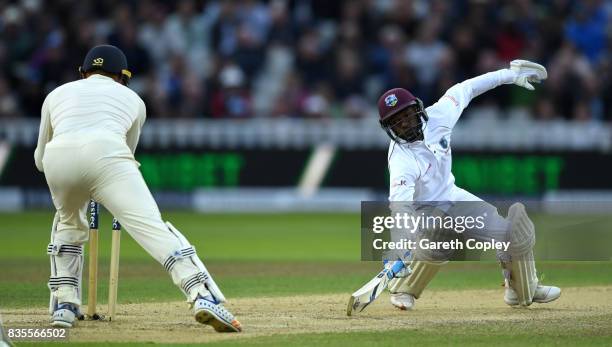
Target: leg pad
{"type": "Point", "coordinates": [422, 272]}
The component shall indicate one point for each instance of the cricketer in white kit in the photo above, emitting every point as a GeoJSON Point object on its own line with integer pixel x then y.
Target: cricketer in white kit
{"type": "Point", "coordinates": [420, 162]}
{"type": "Point", "coordinates": [89, 131]}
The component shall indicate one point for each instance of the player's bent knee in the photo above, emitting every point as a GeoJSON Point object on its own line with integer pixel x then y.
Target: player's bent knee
{"type": "Point", "coordinates": [522, 230]}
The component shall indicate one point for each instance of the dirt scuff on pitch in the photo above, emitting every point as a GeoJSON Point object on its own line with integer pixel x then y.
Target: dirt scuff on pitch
{"type": "Point", "coordinates": [173, 323]}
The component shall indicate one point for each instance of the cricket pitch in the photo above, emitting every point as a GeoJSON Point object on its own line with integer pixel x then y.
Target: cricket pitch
{"type": "Point", "coordinates": [172, 322]}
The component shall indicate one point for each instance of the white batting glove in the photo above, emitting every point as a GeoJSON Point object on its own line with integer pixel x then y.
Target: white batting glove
{"type": "Point", "coordinates": [527, 72]}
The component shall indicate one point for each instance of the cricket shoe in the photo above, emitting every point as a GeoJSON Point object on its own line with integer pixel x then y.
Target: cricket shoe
{"type": "Point", "coordinates": [208, 312]}
{"type": "Point", "coordinates": [65, 315]}
{"type": "Point", "coordinates": [403, 301]}
{"type": "Point", "coordinates": [543, 294]}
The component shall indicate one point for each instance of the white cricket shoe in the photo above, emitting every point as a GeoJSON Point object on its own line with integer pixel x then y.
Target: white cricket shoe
{"type": "Point", "coordinates": [403, 301]}
{"type": "Point", "coordinates": [543, 294]}
{"type": "Point", "coordinates": [64, 315]}
{"type": "Point", "coordinates": [208, 312]}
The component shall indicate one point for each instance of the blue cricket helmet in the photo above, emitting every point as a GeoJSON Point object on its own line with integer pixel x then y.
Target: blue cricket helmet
{"type": "Point", "coordinates": [109, 59]}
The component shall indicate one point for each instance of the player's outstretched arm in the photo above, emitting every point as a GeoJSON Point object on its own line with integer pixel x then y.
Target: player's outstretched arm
{"type": "Point", "coordinates": [521, 72]}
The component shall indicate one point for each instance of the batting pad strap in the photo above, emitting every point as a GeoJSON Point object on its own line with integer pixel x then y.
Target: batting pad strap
{"type": "Point", "coordinates": [57, 249]}
{"type": "Point", "coordinates": [179, 254]}
{"type": "Point", "coordinates": [194, 280]}
{"type": "Point", "coordinates": [56, 282]}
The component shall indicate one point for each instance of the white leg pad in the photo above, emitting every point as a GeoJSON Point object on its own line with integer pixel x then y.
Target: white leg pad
{"type": "Point", "coordinates": [52, 297]}
{"type": "Point", "coordinates": [522, 275]}
{"type": "Point", "coordinates": [65, 279]}
{"type": "Point", "coordinates": [66, 271]}
{"type": "Point", "coordinates": [200, 283]}
{"type": "Point", "coordinates": [422, 272]}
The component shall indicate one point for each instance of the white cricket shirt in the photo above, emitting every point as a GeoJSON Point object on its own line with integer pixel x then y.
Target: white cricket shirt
{"type": "Point", "coordinates": [95, 106]}
{"type": "Point", "coordinates": [421, 170]}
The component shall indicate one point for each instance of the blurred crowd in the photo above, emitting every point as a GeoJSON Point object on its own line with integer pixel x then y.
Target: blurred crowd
{"type": "Point", "coordinates": [311, 58]}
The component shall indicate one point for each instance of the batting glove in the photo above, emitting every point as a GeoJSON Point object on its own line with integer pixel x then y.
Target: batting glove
{"type": "Point", "coordinates": [389, 262]}
{"type": "Point", "coordinates": [527, 72]}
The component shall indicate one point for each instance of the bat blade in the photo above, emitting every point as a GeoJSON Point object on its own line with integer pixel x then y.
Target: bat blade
{"type": "Point", "coordinates": [370, 291]}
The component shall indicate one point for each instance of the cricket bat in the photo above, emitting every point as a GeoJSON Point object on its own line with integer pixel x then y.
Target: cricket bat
{"type": "Point", "coordinates": [372, 290]}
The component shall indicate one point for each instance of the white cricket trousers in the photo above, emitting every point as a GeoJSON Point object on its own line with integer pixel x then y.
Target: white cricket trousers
{"type": "Point", "coordinates": [100, 166]}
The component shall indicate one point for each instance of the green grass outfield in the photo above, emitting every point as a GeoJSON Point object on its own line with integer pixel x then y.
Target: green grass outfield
{"type": "Point", "coordinates": [276, 255]}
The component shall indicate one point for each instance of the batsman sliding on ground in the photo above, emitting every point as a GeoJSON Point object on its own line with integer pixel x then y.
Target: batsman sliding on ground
{"type": "Point", "coordinates": [419, 161]}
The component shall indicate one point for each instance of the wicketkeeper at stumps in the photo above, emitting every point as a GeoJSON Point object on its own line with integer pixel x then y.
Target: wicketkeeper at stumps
{"type": "Point", "coordinates": [420, 171]}
{"type": "Point", "coordinates": [89, 130]}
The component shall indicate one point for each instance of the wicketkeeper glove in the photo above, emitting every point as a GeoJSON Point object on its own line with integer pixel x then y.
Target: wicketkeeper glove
{"type": "Point", "coordinates": [527, 72]}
